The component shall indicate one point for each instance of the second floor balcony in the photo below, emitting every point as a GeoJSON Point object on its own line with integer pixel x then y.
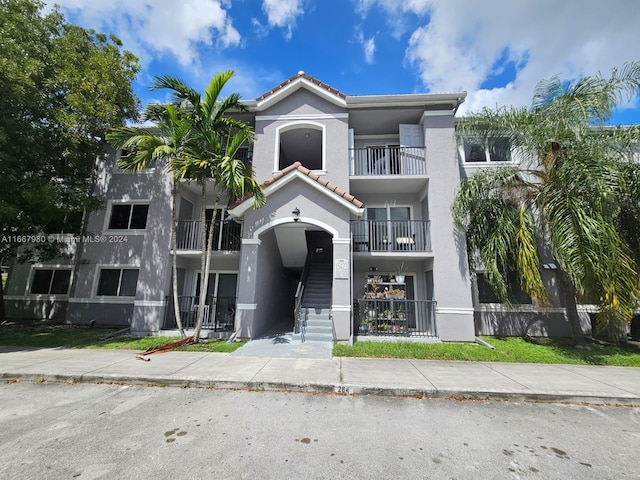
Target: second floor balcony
{"type": "Point", "coordinates": [391, 236]}
{"type": "Point", "coordinates": [226, 235]}
{"type": "Point", "coordinates": [383, 161]}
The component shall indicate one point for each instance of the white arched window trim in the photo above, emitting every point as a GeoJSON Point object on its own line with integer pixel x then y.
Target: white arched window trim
{"type": "Point", "coordinates": [294, 126]}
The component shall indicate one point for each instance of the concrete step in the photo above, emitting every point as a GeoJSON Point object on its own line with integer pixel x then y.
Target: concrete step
{"type": "Point", "coordinates": [320, 311]}
{"type": "Point", "coordinates": [319, 330]}
{"type": "Point", "coordinates": [312, 337]}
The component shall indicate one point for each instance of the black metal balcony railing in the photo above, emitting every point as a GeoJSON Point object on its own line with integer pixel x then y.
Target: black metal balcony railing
{"type": "Point", "coordinates": [388, 161]}
{"type": "Point", "coordinates": [398, 317]}
{"type": "Point", "coordinates": [219, 313]}
{"type": "Point", "coordinates": [226, 239]}
{"type": "Point", "coordinates": [391, 235]}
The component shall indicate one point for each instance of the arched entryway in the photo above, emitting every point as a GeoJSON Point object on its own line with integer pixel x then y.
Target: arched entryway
{"type": "Point", "coordinates": [285, 250]}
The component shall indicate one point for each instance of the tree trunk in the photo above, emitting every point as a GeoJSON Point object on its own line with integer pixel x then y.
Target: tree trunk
{"type": "Point", "coordinates": [203, 260]}
{"type": "Point", "coordinates": [174, 255]}
{"type": "Point", "coordinates": [568, 292]}
{"type": "Point", "coordinates": [204, 282]}
{"type": "Point", "coordinates": [3, 316]}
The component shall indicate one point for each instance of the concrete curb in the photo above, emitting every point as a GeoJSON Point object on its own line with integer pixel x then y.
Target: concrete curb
{"type": "Point", "coordinates": [316, 388]}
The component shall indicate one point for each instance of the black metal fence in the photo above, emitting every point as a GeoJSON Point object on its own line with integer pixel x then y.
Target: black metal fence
{"type": "Point", "coordinates": [219, 313]}
{"type": "Point", "coordinates": [391, 235]}
{"type": "Point", "coordinates": [227, 238]}
{"type": "Point", "coordinates": [399, 317]}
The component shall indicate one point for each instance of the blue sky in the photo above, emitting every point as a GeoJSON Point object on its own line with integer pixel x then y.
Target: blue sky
{"type": "Point", "coordinates": [496, 50]}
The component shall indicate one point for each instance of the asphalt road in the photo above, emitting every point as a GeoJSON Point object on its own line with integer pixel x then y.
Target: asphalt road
{"type": "Point", "coordinates": [56, 431]}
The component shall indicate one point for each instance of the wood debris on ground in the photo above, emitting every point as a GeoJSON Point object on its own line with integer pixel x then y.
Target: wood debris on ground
{"type": "Point", "coordinates": [167, 347]}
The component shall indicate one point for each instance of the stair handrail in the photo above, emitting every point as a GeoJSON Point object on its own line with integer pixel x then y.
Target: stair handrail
{"type": "Point", "coordinates": [299, 293]}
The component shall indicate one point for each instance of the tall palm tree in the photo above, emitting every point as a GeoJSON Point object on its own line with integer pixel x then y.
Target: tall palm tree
{"type": "Point", "coordinates": [214, 144]}
{"type": "Point", "coordinates": [141, 147]}
{"type": "Point", "coordinates": [564, 195]}
{"type": "Point", "coordinates": [233, 179]}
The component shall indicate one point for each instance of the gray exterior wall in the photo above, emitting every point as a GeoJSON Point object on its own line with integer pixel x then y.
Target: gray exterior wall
{"type": "Point", "coordinates": [450, 269]}
{"type": "Point", "coordinates": [520, 323]}
{"type": "Point", "coordinates": [271, 296]}
{"type": "Point", "coordinates": [21, 304]}
{"type": "Point", "coordinates": [304, 107]}
{"type": "Point", "coordinates": [147, 250]}
{"type": "Point", "coordinates": [261, 263]}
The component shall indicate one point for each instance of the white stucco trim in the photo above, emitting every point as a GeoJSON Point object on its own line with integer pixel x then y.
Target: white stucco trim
{"type": "Point", "coordinates": [37, 297]}
{"type": "Point", "coordinates": [125, 200]}
{"type": "Point", "coordinates": [116, 300]}
{"type": "Point", "coordinates": [149, 303]}
{"type": "Point", "coordinates": [251, 241]}
{"type": "Point", "coordinates": [294, 125]}
{"type": "Point", "coordinates": [240, 210]}
{"type": "Point", "coordinates": [437, 113]}
{"type": "Point", "coordinates": [341, 308]}
{"type": "Point", "coordinates": [96, 280]}
{"type": "Point", "coordinates": [246, 306]}
{"type": "Point", "coordinates": [281, 221]}
{"type": "Point", "coordinates": [44, 266]}
{"type": "Point", "coordinates": [308, 116]}
{"type": "Point", "coordinates": [455, 311]}
{"type": "Point", "coordinates": [341, 241]}
{"type": "Point", "coordinates": [295, 85]}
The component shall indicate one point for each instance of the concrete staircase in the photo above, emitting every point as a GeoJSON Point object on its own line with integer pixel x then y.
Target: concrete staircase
{"type": "Point", "coordinates": [316, 305]}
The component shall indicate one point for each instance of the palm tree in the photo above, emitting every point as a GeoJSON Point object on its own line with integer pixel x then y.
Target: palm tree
{"type": "Point", "coordinates": [141, 147]}
{"type": "Point", "coordinates": [233, 179]}
{"type": "Point", "coordinates": [214, 144]}
{"type": "Point", "coordinates": [564, 195]}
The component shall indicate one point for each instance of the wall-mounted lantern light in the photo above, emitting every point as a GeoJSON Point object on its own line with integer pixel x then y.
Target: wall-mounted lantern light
{"type": "Point", "coordinates": [295, 214]}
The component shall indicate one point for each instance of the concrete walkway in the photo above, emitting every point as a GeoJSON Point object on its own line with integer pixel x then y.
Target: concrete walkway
{"type": "Point", "coordinates": [570, 383]}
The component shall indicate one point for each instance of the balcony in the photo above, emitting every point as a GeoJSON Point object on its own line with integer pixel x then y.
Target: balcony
{"type": "Point", "coordinates": [226, 238]}
{"type": "Point", "coordinates": [408, 318]}
{"type": "Point", "coordinates": [395, 161]}
{"type": "Point", "coordinates": [219, 313]}
{"type": "Point", "coordinates": [391, 236]}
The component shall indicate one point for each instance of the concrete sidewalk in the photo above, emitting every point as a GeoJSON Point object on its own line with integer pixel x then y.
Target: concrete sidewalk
{"type": "Point", "coordinates": [428, 378]}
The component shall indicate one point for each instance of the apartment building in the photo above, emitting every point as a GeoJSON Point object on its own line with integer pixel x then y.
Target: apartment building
{"type": "Point", "coordinates": [356, 238]}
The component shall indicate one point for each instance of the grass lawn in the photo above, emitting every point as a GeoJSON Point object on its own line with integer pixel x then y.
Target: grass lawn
{"type": "Point", "coordinates": [514, 349]}
{"type": "Point", "coordinates": [67, 336]}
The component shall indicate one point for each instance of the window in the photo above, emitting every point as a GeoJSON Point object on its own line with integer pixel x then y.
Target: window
{"type": "Point", "coordinates": [300, 142]}
{"type": "Point", "coordinates": [126, 216]}
{"type": "Point", "coordinates": [50, 281]}
{"type": "Point", "coordinates": [482, 151]}
{"type": "Point", "coordinates": [390, 228]}
{"type": "Point", "coordinates": [515, 293]}
{"type": "Point", "coordinates": [118, 282]}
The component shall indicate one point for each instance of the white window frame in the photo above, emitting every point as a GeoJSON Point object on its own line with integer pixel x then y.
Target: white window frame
{"type": "Point", "coordinates": [54, 267]}
{"type": "Point", "coordinates": [113, 298]}
{"type": "Point", "coordinates": [295, 125]}
{"type": "Point", "coordinates": [147, 171]}
{"type": "Point", "coordinates": [487, 155]}
{"type": "Point", "coordinates": [216, 279]}
{"type": "Point", "coordinates": [108, 213]}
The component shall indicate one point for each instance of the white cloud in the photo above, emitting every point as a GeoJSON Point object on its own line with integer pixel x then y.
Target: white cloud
{"type": "Point", "coordinates": [368, 45]}
{"type": "Point", "coordinates": [460, 44]}
{"type": "Point", "coordinates": [282, 14]}
{"type": "Point", "coordinates": [159, 26]}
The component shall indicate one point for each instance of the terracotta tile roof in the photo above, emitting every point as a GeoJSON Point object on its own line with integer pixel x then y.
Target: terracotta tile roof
{"type": "Point", "coordinates": [305, 171]}
{"type": "Point", "coordinates": [301, 74]}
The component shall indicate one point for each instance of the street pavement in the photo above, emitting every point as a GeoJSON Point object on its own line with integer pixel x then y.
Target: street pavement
{"type": "Point", "coordinates": [342, 375]}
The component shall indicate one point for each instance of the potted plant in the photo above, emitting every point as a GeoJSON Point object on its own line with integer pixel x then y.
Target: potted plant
{"type": "Point", "coordinates": [395, 293]}
{"type": "Point", "coordinates": [364, 326]}
{"type": "Point", "coordinates": [401, 272]}
{"type": "Point", "coordinates": [388, 314]}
